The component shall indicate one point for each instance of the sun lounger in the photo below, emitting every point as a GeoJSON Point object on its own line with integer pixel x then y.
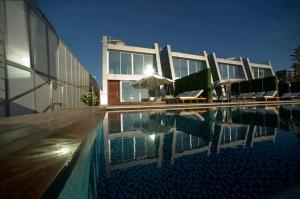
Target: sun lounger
{"type": "Point", "coordinates": [286, 96]}
{"type": "Point", "coordinates": [245, 96]}
{"type": "Point", "coordinates": [270, 95]}
{"type": "Point", "coordinates": [259, 95]}
{"type": "Point", "coordinates": [192, 96]}
{"type": "Point", "coordinates": [188, 96]}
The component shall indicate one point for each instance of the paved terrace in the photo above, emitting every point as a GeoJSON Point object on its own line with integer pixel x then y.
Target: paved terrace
{"type": "Point", "coordinates": [35, 149]}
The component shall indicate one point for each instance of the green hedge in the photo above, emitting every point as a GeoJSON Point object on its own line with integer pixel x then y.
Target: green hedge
{"type": "Point", "coordinates": [270, 83]}
{"type": "Point", "coordinates": [257, 85]}
{"type": "Point", "coordinates": [245, 86]}
{"type": "Point", "coordinates": [195, 81]}
{"type": "Point", "coordinates": [295, 87]}
{"type": "Point", "coordinates": [235, 88]}
{"type": "Point", "coordinates": [283, 88]}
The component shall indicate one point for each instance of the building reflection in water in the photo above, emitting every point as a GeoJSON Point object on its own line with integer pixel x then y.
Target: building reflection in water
{"type": "Point", "coordinates": [141, 138]}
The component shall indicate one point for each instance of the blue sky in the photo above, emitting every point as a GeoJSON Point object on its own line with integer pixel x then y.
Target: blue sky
{"type": "Point", "coordinates": [260, 30]}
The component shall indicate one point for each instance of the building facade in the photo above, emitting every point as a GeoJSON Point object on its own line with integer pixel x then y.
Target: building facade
{"type": "Point", "coordinates": [177, 64]}
{"type": "Point", "coordinates": [227, 68]}
{"type": "Point", "coordinates": [256, 70]}
{"type": "Point", "coordinates": [38, 72]}
{"type": "Point", "coordinates": [123, 64]}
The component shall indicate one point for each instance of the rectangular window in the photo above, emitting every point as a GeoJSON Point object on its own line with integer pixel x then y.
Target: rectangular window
{"type": "Point", "coordinates": [138, 64]}
{"type": "Point", "coordinates": [183, 67]}
{"type": "Point", "coordinates": [114, 62]}
{"type": "Point", "coordinates": [268, 72]}
{"type": "Point", "coordinates": [130, 94]}
{"type": "Point", "coordinates": [229, 71]}
{"type": "Point", "coordinates": [17, 41]}
{"type": "Point", "coordinates": [39, 43]}
{"type": "Point", "coordinates": [176, 67]}
{"type": "Point", "coordinates": [126, 66]}
{"type": "Point", "coordinates": [192, 66]}
{"type": "Point", "coordinates": [261, 72]}
{"type": "Point", "coordinates": [149, 63]}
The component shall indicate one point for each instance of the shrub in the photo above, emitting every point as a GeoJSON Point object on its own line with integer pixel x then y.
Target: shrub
{"type": "Point", "coordinates": [86, 98]}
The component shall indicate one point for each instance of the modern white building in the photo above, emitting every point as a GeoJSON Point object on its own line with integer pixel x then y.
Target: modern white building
{"type": "Point", "coordinates": [124, 64]}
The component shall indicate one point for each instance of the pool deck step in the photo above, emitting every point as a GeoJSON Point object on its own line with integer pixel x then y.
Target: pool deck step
{"type": "Point", "coordinates": [35, 148]}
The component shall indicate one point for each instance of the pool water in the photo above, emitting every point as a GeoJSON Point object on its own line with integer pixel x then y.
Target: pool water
{"type": "Point", "coordinates": [235, 152]}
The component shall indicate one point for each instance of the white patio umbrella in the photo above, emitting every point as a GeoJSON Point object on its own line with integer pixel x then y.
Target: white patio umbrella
{"type": "Point", "coordinates": [152, 82]}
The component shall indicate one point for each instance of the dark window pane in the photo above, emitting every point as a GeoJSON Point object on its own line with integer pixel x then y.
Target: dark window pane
{"type": "Point", "coordinates": [183, 67]}
{"type": "Point", "coordinates": [138, 64]}
{"type": "Point", "coordinates": [126, 63]}
{"type": "Point", "coordinates": [176, 67]}
{"type": "Point", "coordinates": [114, 62]}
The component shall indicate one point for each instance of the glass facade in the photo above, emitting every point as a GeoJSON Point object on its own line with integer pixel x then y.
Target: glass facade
{"type": "Point", "coordinates": [261, 72]}
{"type": "Point", "coordinates": [130, 94]}
{"type": "Point", "coordinates": [130, 63]}
{"type": "Point", "coordinates": [229, 71]}
{"type": "Point", "coordinates": [184, 67]}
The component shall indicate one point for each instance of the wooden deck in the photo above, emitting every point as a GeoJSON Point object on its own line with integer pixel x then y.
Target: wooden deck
{"type": "Point", "coordinates": [35, 148]}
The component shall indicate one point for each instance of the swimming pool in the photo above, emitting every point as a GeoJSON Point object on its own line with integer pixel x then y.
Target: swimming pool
{"type": "Point", "coordinates": [237, 152]}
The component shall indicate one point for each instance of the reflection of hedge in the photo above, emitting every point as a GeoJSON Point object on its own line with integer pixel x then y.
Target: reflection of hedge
{"type": "Point", "coordinates": [195, 81]}
{"type": "Point", "coordinates": [256, 118]}
{"type": "Point", "coordinates": [256, 85]}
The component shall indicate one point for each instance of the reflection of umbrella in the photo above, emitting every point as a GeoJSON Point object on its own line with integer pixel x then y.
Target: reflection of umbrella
{"type": "Point", "coordinates": [150, 127]}
{"type": "Point", "coordinates": [152, 82]}
{"type": "Point", "coordinates": [157, 123]}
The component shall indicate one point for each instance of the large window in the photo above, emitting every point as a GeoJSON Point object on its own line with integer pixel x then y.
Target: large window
{"type": "Point", "coordinates": [17, 42]}
{"type": "Point", "coordinates": [138, 64]}
{"type": "Point", "coordinates": [184, 67]}
{"type": "Point", "coordinates": [114, 62]}
{"type": "Point", "coordinates": [261, 72]}
{"type": "Point", "coordinates": [229, 71]}
{"type": "Point", "coordinates": [39, 43]}
{"type": "Point", "coordinates": [131, 63]}
{"type": "Point", "coordinates": [126, 65]}
{"type": "Point", "coordinates": [130, 94]}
